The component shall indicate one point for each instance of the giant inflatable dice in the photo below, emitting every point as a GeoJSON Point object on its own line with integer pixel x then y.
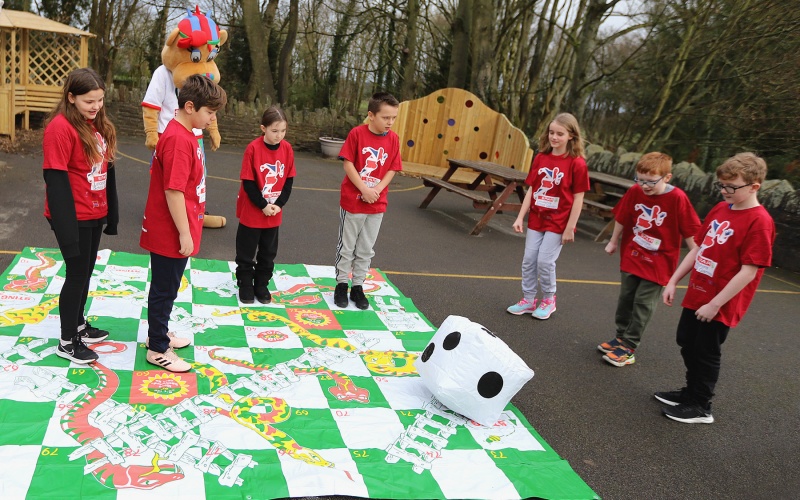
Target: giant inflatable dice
{"type": "Point", "coordinates": [471, 371]}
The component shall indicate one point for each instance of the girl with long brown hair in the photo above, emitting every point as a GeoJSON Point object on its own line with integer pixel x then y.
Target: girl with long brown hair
{"type": "Point", "coordinates": [81, 198]}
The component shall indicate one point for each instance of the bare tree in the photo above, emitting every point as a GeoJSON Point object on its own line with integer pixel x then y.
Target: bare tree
{"type": "Point", "coordinates": [459, 58]}
{"type": "Point", "coordinates": [258, 26]}
{"type": "Point", "coordinates": [110, 20]}
{"type": "Point", "coordinates": [409, 52]}
{"type": "Point", "coordinates": [285, 60]}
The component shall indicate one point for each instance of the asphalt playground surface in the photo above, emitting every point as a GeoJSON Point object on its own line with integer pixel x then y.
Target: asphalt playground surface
{"type": "Point", "coordinates": [602, 419]}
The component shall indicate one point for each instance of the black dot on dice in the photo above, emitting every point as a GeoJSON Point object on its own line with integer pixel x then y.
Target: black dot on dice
{"type": "Point", "coordinates": [426, 354]}
{"type": "Point", "coordinates": [490, 385]}
{"type": "Point", "coordinates": [451, 341]}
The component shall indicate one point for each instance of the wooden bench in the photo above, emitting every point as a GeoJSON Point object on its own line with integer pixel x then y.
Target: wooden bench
{"type": "Point", "coordinates": [496, 180]}
{"type": "Point", "coordinates": [477, 199]}
{"type": "Point", "coordinates": [600, 201]}
{"type": "Point", "coordinates": [454, 123]}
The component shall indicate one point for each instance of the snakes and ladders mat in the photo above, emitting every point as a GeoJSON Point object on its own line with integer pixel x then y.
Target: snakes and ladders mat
{"type": "Point", "coordinates": [296, 398]}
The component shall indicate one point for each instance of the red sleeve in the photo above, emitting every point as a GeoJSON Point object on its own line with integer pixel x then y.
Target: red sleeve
{"type": "Point", "coordinates": [688, 220]}
{"type": "Point", "coordinates": [395, 163]}
{"type": "Point", "coordinates": [177, 164]}
{"type": "Point", "coordinates": [757, 247]}
{"type": "Point", "coordinates": [533, 172]}
{"type": "Point", "coordinates": [622, 210]}
{"type": "Point", "coordinates": [290, 161]}
{"type": "Point", "coordinates": [580, 176]}
{"type": "Point", "coordinates": [350, 147]}
{"type": "Point", "coordinates": [247, 164]}
{"type": "Point", "coordinates": [57, 144]}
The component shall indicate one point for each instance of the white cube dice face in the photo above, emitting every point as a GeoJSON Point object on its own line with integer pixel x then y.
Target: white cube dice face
{"type": "Point", "coordinates": [471, 370]}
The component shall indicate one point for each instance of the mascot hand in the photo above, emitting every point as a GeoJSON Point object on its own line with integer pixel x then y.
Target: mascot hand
{"type": "Point", "coordinates": [213, 135]}
{"type": "Point", "coordinates": [150, 117]}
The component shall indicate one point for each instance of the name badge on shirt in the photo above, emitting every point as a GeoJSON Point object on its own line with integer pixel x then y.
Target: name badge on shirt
{"type": "Point", "coordinates": [545, 201]}
{"type": "Point", "coordinates": [705, 266]}
{"type": "Point", "coordinates": [647, 242]}
{"type": "Point", "coordinates": [96, 177]}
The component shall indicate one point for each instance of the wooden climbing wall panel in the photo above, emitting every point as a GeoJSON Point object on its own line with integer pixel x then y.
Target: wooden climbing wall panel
{"type": "Point", "coordinates": [454, 123]}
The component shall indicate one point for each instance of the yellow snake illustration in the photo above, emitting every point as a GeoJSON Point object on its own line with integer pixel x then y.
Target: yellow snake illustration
{"type": "Point", "coordinates": [36, 314]}
{"type": "Point", "coordinates": [261, 422]}
{"type": "Point", "coordinates": [393, 363]}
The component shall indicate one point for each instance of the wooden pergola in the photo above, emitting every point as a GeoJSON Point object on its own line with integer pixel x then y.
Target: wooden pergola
{"type": "Point", "coordinates": [37, 54]}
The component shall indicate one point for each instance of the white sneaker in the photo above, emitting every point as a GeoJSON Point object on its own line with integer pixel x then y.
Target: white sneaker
{"type": "Point", "coordinates": [174, 341]}
{"type": "Point", "coordinates": [168, 361]}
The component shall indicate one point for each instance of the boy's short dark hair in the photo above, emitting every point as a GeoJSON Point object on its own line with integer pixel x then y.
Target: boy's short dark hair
{"type": "Point", "coordinates": [752, 168]}
{"type": "Point", "coordinates": [378, 99]}
{"type": "Point", "coordinates": [202, 92]}
{"type": "Point", "coordinates": [654, 163]}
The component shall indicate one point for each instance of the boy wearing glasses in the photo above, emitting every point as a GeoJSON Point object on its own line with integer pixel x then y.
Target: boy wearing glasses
{"type": "Point", "coordinates": [651, 219]}
{"type": "Point", "coordinates": [735, 246]}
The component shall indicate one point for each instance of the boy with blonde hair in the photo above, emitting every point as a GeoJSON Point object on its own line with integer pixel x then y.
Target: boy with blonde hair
{"type": "Point", "coordinates": [652, 219]}
{"type": "Point", "coordinates": [735, 245]}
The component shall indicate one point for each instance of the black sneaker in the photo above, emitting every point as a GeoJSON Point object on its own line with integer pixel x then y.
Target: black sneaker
{"type": "Point", "coordinates": [91, 335]}
{"type": "Point", "coordinates": [689, 414]}
{"type": "Point", "coordinates": [340, 295]}
{"type": "Point", "coordinates": [262, 294]}
{"type": "Point", "coordinates": [246, 292]}
{"type": "Point", "coordinates": [672, 398]}
{"type": "Point", "coordinates": [77, 352]}
{"type": "Point", "coordinates": [357, 296]}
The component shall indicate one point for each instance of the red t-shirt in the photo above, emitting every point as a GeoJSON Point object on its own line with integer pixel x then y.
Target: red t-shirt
{"type": "Point", "coordinates": [269, 169]}
{"type": "Point", "coordinates": [63, 150]}
{"type": "Point", "coordinates": [555, 180]}
{"type": "Point", "coordinates": [728, 240]}
{"type": "Point", "coordinates": [654, 227]}
{"type": "Point", "coordinates": [373, 156]}
{"type": "Point", "coordinates": [178, 164]}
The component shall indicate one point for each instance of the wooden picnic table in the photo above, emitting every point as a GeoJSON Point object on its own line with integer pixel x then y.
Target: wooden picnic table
{"type": "Point", "coordinates": [600, 201]}
{"type": "Point", "coordinates": [496, 181]}
{"type": "Point", "coordinates": [493, 184]}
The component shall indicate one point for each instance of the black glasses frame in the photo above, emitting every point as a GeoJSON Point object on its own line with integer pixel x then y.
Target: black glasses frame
{"type": "Point", "coordinates": [729, 189]}
{"type": "Point", "coordinates": [648, 183]}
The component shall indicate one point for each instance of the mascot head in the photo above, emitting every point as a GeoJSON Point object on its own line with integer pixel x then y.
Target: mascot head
{"type": "Point", "coordinates": [191, 47]}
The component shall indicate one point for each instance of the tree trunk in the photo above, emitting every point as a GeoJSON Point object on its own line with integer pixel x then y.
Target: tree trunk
{"type": "Point", "coordinates": [586, 44]}
{"type": "Point", "coordinates": [542, 40]}
{"type": "Point", "coordinates": [483, 56]}
{"type": "Point", "coordinates": [158, 36]}
{"type": "Point", "coordinates": [341, 40]}
{"type": "Point", "coordinates": [285, 63]}
{"type": "Point", "coordinates": [110, 21]}
{"type": "Point", "coordinates": [409, 55]}
{"type": "Point", "coordinates": [459, 58]}
{"type": "Point", "coordinates": [257, 29]}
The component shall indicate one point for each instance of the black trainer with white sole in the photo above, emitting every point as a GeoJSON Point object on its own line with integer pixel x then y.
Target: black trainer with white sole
{"type": "Point", "coordinates": [90, 334]}
{"type": "Point", "coordinates": [672, 398]}
{"type": "Point", "coordinates": [77, 352]}
{"type": "Point", "coordinates": [689, 414]}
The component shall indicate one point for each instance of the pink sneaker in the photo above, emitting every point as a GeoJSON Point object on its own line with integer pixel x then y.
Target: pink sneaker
{"type": "Point", "coordinates": [546, 308]}
{"type": "Point", "coordinates": [522, 307]}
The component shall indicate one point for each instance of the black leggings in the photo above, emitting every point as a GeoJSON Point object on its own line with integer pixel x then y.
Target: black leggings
{"type": "Point", "coordinates": [72, 302]}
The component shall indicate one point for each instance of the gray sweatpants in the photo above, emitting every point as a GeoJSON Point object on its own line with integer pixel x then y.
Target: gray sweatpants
{"type": "Point", "coordinates": [354, 252]}
{"type": "Point", "coordinates": [539, 263]}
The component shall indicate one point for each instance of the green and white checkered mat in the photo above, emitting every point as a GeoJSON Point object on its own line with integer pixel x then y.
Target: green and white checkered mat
{"type": "Point", "coordinates": [291, 399]}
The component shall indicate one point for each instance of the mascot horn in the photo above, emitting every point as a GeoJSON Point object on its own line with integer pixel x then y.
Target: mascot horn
{"type": "Point", "coordinates": [190, 49]}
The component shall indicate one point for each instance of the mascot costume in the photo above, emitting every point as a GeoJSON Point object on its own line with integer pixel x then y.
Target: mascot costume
{"type": "Point", "coordinates": [189, 50]}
